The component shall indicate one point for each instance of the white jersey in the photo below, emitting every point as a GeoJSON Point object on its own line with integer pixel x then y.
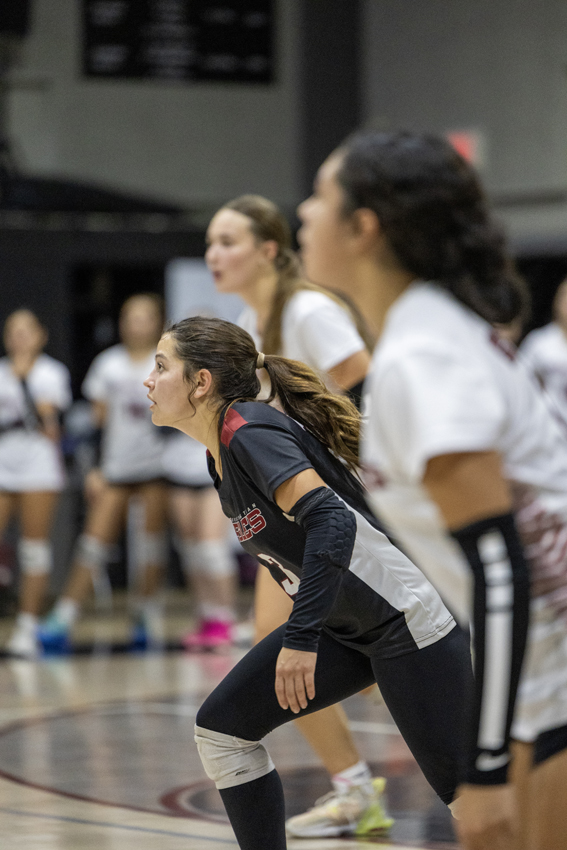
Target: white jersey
{"type": "Point", "coordinates": [29, 460]}
{"type": "Point", "coordinates": [545, 353]}
{"type": "Point", "coordinates": [315, 330]}
{"type": "Point", "coordinates": [185, 461]}
{"type": "Point", "coordinates": [441, 381]}
{"type": "Point", "coordinates": [132, 445]}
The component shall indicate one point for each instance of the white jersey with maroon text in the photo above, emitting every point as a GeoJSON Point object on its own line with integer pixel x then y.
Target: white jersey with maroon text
{"type": "Point", "coordinates": [29, 460]}
{"type": "Point", "coordinates": [442, 381]}
{"type": "Point", "coordinates": [545, 353]}
{"type": "Point", "coordinates": [132, 444]}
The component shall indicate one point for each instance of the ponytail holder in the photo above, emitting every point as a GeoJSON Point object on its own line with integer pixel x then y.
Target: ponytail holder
{"type": "Point", "coordinates": [260, 361]}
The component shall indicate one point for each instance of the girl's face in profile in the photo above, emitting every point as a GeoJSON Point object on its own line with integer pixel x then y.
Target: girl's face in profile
{"type": "Point", "coordinates": [236, 259]}
{"type": "Point", "coordinates": [325, 232]}
{"type": "Point", "coordinates": [168, 389]}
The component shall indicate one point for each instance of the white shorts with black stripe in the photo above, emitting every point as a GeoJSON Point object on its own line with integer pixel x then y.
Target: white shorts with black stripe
{"type": "Point", "coordinates": [542, 696]}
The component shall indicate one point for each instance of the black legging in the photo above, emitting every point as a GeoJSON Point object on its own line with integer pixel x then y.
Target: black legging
{"type": "Point", "coordinates": [426, 692]}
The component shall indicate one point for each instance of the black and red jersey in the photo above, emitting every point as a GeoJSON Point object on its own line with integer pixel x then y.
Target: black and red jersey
{"type": "Point", "coordinates": [385, 605]}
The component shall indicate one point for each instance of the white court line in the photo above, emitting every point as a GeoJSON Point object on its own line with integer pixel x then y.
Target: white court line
{"type": "Point", "coordinates": [189, 710]}
{"type": "Point", "coordinates": [109, 825]}
{"type": "Point", "coordinates": [373, 728]}
{"type": "Point", "coordinates": [186, 710]}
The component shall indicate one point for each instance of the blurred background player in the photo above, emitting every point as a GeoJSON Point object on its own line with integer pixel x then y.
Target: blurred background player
{"type": "Point", "coordinates": [130, 466]}
{"type": "Point", "coordinates": [201, 537]}
{"type": "Point", "coordinates": [34, 391]}
{"type": "Point", "coordinates": [464, 461]}
{"type": "Point", "coordinates": [250, 254]}
{"type": "Point", "coordinates": [545, 352]}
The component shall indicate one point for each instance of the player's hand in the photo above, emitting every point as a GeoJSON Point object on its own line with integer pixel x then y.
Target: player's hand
{"type": "Point", "coordinates": [295, 678]}
{"type": "Point", "coordinates": [486, 817]}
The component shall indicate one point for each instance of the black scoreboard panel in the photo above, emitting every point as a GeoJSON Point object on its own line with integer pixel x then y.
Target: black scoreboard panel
{"type": "Point", "coordinates": [199, 40]}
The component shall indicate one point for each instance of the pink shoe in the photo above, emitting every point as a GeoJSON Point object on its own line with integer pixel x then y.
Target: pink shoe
{"type": "Point", "coordinates": [210, 635]}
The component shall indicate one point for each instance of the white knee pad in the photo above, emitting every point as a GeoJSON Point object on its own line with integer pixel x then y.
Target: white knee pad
{"type": "Point", "coordinates": [92, 552]}
{"type": "Point", "coordinates": [211, 558]}
{"type": "Point", "coordinates": [34, 556]}
{"type": "Point", "coordinates": [231, 761]}
{"type": "Point", "coordinates": [152, 549]}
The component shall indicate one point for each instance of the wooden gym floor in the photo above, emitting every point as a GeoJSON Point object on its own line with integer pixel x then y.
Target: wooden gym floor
{"type": "Point", "coordinates": [97, 752]}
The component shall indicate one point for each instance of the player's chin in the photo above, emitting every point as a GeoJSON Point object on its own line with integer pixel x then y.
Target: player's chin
{"type": "Point", "coordinates": [157, 417]}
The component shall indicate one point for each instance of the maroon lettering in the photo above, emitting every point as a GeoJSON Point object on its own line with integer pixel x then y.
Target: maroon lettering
{"type": "Point", "coordinates": [246, 532]}
{"type": "Point", "coordinates": [252, 523]}
{"type": "Point", "coordinates": [256, 520]}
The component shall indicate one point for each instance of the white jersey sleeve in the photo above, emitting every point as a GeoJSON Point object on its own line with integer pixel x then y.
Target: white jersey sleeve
{"type": "Point", "coordinates": [50, 382]}
{"type": "Point", "coordinates": [248, 321]}
{"type": "Point", "coordinates": [318, 331]}
{"type": "Point", "coordinates": [433, 402]}
{"type": "Point", "coordinates": [96, 384]}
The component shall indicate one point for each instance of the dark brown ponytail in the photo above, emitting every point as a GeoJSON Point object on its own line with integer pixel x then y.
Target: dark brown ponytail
{"type": "Point", "coordinates": [230, 355]}
{"type": "Point", "coordinates": [330, 417]}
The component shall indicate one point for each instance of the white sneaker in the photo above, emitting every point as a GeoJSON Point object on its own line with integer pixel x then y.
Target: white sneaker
{"type": "Point", "coordinates": [24, 644]}
{"type": "Point", "coordinates": [354, 813]}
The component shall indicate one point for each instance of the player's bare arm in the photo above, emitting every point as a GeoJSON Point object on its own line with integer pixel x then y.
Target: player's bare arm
{"type": "Point", "coordinates": [467, 486]}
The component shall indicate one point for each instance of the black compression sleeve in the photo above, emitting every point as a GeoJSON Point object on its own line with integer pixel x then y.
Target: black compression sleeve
{"type": "Point", "coordinates": [355, 394]}
{"type": "Point", "coordinates": [500, 624]}
{"type": "Point", "coordinates": [330, 531]}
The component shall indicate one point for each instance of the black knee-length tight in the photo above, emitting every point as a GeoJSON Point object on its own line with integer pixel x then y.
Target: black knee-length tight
{"type": "Point", "coordinates": [426, 691]}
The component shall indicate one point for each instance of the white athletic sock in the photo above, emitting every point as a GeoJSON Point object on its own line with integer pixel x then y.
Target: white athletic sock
{"type": "Point", "coordinates": [147, 607]}
{"type": "Point", "coordinates": [66, 611]}
{"type": "Point", "coordinates": [358, 775]}
{"type": "Point", "coordinates": [26, 622]}
{"type": "Point", "coordinates": [212, 611]}
{"type": "Point", "coordinates": [148, 610]}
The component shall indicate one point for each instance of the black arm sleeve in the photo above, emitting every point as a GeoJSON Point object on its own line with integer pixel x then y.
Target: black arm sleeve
{"type": "Point", "coordinates": [500, 625]}
{"type": "Point", "coordinates": [330, 530]}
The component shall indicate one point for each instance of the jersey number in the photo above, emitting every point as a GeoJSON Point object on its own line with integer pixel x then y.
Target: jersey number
{"type": "Point", "coordinates": [289, 584]}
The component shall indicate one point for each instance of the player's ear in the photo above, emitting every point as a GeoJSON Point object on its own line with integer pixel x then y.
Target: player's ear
{"type": "Point", "coordinates": [204, 385]}
{"type": "Point", "coordinates": [270, 249]}
{"type": "Point", "coordinates": [365, 227]}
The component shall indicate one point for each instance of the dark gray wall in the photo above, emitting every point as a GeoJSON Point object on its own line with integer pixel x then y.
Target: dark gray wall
{"type": "Point", "coordinates": [194, 143]}
{"type": "Point", "coordinates": [495, 66]}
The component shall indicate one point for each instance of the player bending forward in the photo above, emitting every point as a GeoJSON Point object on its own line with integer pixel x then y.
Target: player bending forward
{"type": "Point", "coordinates": [362, 611]}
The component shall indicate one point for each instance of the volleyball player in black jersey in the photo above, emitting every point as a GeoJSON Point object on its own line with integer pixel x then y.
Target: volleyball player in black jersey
{"type": "Point", "coordinates": [362, 611]}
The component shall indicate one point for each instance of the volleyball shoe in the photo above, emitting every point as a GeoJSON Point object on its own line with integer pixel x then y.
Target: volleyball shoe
{"type": "Point", "coordinates": [354, 812]}
{"type": "Point", "coordinates": [54, 635]}
{"type": "Point", "coordinates": [210, 634]}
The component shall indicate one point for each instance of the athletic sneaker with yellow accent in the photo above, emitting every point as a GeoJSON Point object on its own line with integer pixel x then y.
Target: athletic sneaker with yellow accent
{"type": "Point", "coordinates": [354, 813]}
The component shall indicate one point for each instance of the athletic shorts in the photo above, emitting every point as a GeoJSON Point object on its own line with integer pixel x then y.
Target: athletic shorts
{"type": "Point", "coordinates": [30, 462]}
{"type": "Point", "coordinates": [542, 696]}
{"type": "Point", "coordinates": [194, 488]}
{"type": "Point", "coordinates": [131, 483]}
